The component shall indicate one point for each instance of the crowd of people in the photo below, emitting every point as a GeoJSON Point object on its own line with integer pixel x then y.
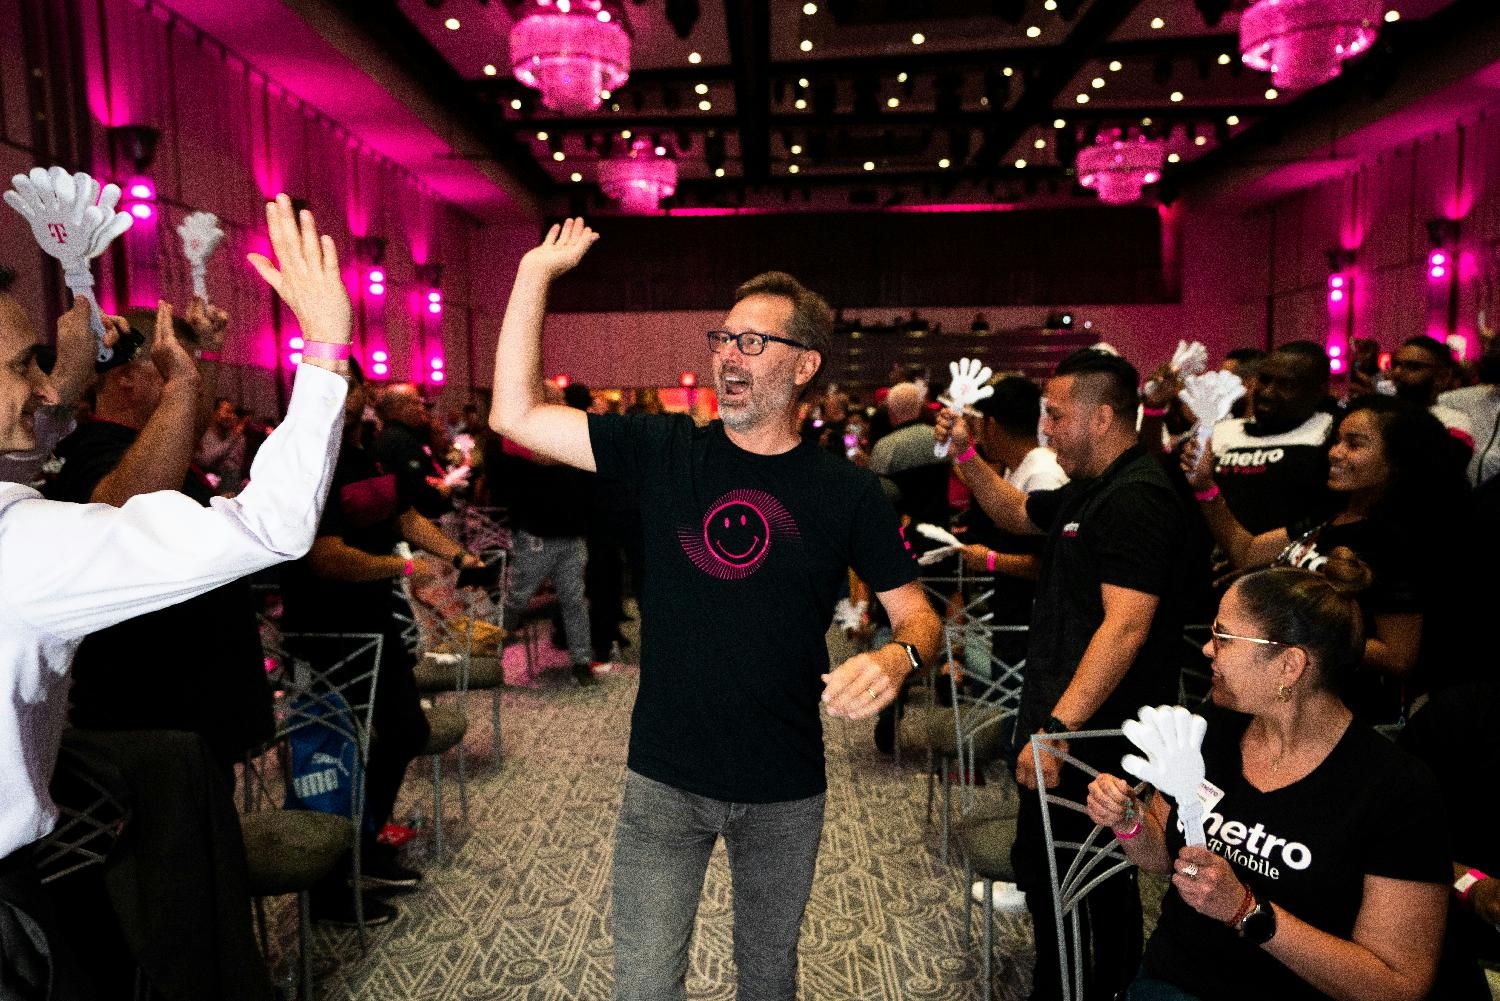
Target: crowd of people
{"type": "Point", "coordinates": [1326, 537]}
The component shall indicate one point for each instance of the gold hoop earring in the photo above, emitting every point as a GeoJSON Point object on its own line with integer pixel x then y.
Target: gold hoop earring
{"type": "Point", "coordinates": [1283, 693]}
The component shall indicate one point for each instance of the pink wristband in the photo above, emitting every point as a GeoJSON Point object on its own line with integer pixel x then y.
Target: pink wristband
{"type": "Point", "coordinates": [1153, 411]}
{"type": "Point", "coordinates": [208, 356]}
{"type": "Point", "coordinates": [966, 455]}
{"type": "Point", "coordinates": [326, 350]}
{"type": "Point", "coordinates": [1130, 834]}
{"type": "Point", "coordinates": [409, 569]}
{"type": "Point", "coordinates": [989, 561]}
{"type": "Point", "coordinates": [1208, 493]}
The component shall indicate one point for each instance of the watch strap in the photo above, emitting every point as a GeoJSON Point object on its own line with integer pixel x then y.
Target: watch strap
{"type": "Point", "coordinates": [911, 654]}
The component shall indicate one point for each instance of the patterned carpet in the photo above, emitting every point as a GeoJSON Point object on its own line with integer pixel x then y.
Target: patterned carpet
{"type": "Point", "coordinates": [520, 908]}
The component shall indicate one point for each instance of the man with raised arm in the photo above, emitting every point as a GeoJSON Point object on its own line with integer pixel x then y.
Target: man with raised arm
{"type": "Point", "coordinates": [67, 570]}
{"type": "Point", "coordinates": [748, 535]}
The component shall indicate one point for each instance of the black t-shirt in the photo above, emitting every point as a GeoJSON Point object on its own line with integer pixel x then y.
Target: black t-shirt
{"type": "Point", "coordinates": [1127, 528]}
{"type": "Point", "coordinates": [364, 508]}
{"type": "Point", "coordinates": [550, 501]}
{"type": "Point", "coordinates": [1369, 809]}
{"type": "Point", "coordinates": [193, 666]}
{"type": "Point", "coordinates": [407, 454]}
{"type": "Point", "coordinates": [1273, 480]}
{"type": "Point", "coordinates": [745, 558]}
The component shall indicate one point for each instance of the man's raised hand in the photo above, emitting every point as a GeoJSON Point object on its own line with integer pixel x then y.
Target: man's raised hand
{"type": "Point", "coordinates": [167, 353]}
{"type": "Point", "coordinates": [308, 274]}
{"type": "Point", "coordinates": [561, 249]}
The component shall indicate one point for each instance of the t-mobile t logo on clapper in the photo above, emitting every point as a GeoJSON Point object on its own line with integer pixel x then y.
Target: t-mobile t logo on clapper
{"type": "Point", "coordinates": [59, 232]}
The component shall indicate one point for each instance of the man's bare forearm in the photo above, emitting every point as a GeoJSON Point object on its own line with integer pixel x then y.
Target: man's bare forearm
{"type": "Point", "coordinates": [160, 456]}
{"type": "Point", "coordinates": [518, 355]}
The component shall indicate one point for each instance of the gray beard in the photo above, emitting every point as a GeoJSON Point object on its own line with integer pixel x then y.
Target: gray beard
{"type": "Point", "coordinates": [748, 418]}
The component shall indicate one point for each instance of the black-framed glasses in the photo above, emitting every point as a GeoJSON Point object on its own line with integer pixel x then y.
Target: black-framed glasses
{"type": "Point", "coordinates": [750, 342]}
{"type": "Point", "coordinates": [1219, 635]}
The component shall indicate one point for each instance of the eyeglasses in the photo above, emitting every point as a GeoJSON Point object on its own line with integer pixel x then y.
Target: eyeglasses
{"type": "Point", "coordinates": [750, 342]}
{"type": "Point", "coordinates": [1217, 635]}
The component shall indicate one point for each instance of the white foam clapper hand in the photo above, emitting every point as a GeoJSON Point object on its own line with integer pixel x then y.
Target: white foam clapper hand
{"type": "Point", "coordinates": [1172, 740]}
{"type": "Point", "coordinates": [965, 388]}
{"type": "Point", "coordinates": [849, 614]}
{"type": "Point", "coordinates": [201, 236]}
{"type": "Point", "coordinates": [73, 220]}
{"type": "Point", "coordinates": [1211, 396]}
{"type": "Point", "coordinates": [950, 544]}
{"type": "Point", "coordinates": [458, 476]}
{"type": "Point", "coordinates": [1190, 358]}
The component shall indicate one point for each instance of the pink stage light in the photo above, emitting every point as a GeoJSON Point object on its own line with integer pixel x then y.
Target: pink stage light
{"type": "Point", "coordinates": [377, 289]}
{"type": "Point", "coordinates": [1437, 271]}
{"type": "Point", "coordinates": [640, 179]}
{"type": "Point", "coordinates": [570, 53]}
{"type": "Point", "coordinates": [1117, 168]}
{"type": "Point", "coordinates": [688, 380]}
{"type": "Point", "coordinates": [562, 381]}
{"type": "Point", "coordinates": [1303, 43]}
{"type": "Point", "coordinates": [380, 368]}
{"type": "Point", "coordinates": [379, 356]}
{"type": "Point", "coordinates": [1334, 350]}
{"type": "Point", "coordinates": [141, 211]}
{"type": "Point", "coordinates": [437, 364]}
{"type": "Point", "coordinates": [296, 343]}
{"type": "Point", "coordinates": [376, 275]}
{"type": "Point", "coordinates": [295, 357]}
{"type": "Point", "coordinates": [1437, 258]}
{"type": "Point", "coordinates": [437, 376]}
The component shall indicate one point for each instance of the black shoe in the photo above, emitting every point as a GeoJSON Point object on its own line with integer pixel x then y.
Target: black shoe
{"type": "Point", "coordinates": [382, 871]}
{"type": "Point", "coordinates": [338, 909]}
{"type": "Point", "coordinates": [583, 674]}
{"type": "Point", "coordinates": [885, 730]}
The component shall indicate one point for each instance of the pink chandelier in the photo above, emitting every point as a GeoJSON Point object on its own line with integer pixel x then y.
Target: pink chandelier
{"type": "Point", "coordinates": [1116, 168]}
{"type": "Point", "coordinates": [640, 179]}
{"type": "Point", "coordinates": [571, 51]}
{"type": "Point", "coordinates": [1302, 42]}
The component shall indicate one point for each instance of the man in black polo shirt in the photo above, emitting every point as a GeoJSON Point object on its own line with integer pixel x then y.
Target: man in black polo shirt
{"type": "Point", "coordinates": [1105, 628]}
{"type": "Point", "coordinates": [404, 448]}
{"type": "Point", "coordinates": [749, 535]}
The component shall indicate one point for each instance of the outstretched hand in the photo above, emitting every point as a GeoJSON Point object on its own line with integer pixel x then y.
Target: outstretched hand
{"type": "Point", "coordinates": [167, 353]}
{"type": "Point", "coordinates": [561, 249]}
{"type": "Point", "coordinates": [306, 273]}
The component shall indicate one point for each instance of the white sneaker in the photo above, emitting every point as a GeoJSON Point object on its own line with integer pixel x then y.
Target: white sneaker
{"type": "Point", "coordinates": [1007, 898]}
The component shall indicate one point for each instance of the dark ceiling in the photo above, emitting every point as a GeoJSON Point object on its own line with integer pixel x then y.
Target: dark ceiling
{"type": "Point", "coordinates": [794, 105]}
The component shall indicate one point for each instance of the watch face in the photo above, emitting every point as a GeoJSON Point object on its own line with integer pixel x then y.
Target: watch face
{"type": "Point", "coordinates": [1259, 925]}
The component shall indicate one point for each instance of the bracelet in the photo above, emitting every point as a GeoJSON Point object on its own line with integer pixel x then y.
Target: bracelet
{"type": "Point", "coordinates": [409, 569]}
{"type": "Point", "coordinates": [208, 356]}
{"type": "Point", "coordinates": [1246, 906]}
{"type": "Point", "coordinates": [966, 455]}
{"type": "Point", "coordinates": [326, 350]}
{"type": "Point", "coordinates": [1055, 725]}
{"type": "Point", "coordinates": [1153, 411]}
{"type": "Point", "coordinates": [989, 560]}
{"type": "Point", "coordinates": [1465, 883]}
{"type": "Point", "coordinates": [1207, 494]}
{"type": "Point", "coordinates": [1130, 835]}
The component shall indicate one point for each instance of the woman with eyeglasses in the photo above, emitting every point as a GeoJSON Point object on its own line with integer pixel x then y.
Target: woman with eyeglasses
{"type": "Point", "coordinates": [1391, 469]}
{"type": "Point", "coordinates": [1326, 869]}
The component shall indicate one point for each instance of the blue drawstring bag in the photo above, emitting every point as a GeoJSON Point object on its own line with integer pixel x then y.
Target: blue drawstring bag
{"type": "Point", "coordinates": [324, 757]}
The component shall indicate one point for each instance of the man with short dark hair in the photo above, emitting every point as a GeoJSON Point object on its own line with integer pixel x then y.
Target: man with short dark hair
{"type": "Point", "coordinates": [221, 450]}
{"type": "Point", "coordinates": [1104, 628]}
{"type": "Point", "coordinates": [1423, 368]}
{"type": "Point", "coordinates": [404, 448]}
{"type": "Point", "coordinates": [750, 537]}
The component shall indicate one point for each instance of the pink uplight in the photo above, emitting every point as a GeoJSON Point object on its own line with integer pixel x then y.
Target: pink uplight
{"type": "Point", "coordinates": [296, 344]}
{"type": "Point", "coordinates": [375, 275]}
{"type": "Point", "coordinates": [1334, 350]}
{"type": "Point", "coordinates": [434, 296]}
{"type": "Point", "coordinates": [379, 356]}
{"type": "Point", "coordinates": [437, 376]}
{"type": "Point", "coordinates": [1336, 295]}
{"type": "Point", "coordinates": [1437, 271]}
{"type": "Point", "coordinates": [1437, 257]}
{"type": "Point", "coordinates": [434, 308]}
{"type": "Point", "coordinates": [1337, 281]}
{"type": "Point", "coordinates": [1336, 365]}
{"type": "Point", "coordinates": [380, 368]}
{"type": "Point", "coordinates": [437, 364]}
{"type": "Point", "coordinates": [139, 190]}
{"type": "Point", "coordinates": [141, 211]}
{"type": "Point", "coordinates": [377, 289]}
{"type": "Point", "coordinates": [295, 357]}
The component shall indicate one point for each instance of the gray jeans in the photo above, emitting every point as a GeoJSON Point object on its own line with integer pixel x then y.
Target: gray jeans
{"type": "Point", "coordinates": [663, 840]}
{"type": "Point", "coordinates": [533, 560]}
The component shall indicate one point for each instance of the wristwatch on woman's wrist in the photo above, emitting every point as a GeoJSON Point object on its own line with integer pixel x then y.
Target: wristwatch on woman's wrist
{"type": "Point", "coordinates": [1258, 926]}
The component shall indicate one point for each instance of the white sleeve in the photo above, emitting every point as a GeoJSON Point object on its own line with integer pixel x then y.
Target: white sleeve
{"type": "Point", "coordinates": [72, 569]}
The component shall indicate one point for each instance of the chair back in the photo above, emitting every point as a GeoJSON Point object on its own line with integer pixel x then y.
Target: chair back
{"type": "Point", "coordinates": [1090, 862]}
{"type": "Point", "coordinates": [93, 810]}
{"type": "Point", "coordinates": [985, 708]}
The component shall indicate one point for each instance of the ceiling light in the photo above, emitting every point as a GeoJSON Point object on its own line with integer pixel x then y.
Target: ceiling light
{"type": "Point", "coordinates": [1082, 99]}
{"type": "Point", "coordinates": [1033, 31]}
{"type": "Point", "coordinates": [604, 95]}
{"type": "Point", "coordinates": [452, 24]}
{"type": "Point", "coordinates": [796, 150]}
{"type": "Point", "coordinates": [695, 58]}
{"type": "Point", "coordinates": [702, 88]}
{"type": "Point", "coordinates": [1272, 93]}
{"type": "Point", "coordinates": [1050, 5]}
{"type": "Point", "coordinates": [638, 180]}
{"type": "Point", "coordinates": [1059, 123]}
{"type": "Point", "coordinates": [576, 176]}
{"type": "Point", "coordinates": [1115, 66]}
{"type": "Point", "coordinates": [1392, 16]}
{"type": "Point", "coordinates": [802, 82]}
{"type": "Point", "coordinates": [944, 163]}
{"type": "Point", "coordinates": [570, 58]}
{"type": "Point", "coordinates": [515, 104]}
{"type": "Point", "coordinates": [1020, 164]}
{"type": "Point", "coordinates": [1302, 43]}
{"type": "Point", "coordinates": [661, 151]}
{"type": "Point", "coordinates": [718, 171]}
{"type": "Point", "coordinates": [793, 169]}
{"type": "Point", "coordinates": [984, 102]}
{"type": "Point", "coordinates": [869, 164]}
{"type": "Point", "coordinates": [1224, 59]}
{"type": "Point", "coordinates": [559, 156]}
{"type": "Point", "coordinates": [1039, 144]}
{"type": "Point", "coordinates": [893, 102]}
{"type": "Point", "coordinates": [1232, 120]}
{"type": "Point", "coordinates": [800, 104]}
{"type": "Point", "coordinates": [1117, 168]}
{"type": "Point", "coordinates": [1157, 24]}
{"type": "Point", "coordinates": [1097, 82]}
{"type": "Point", "coordinates": [805, 45]}
{"type": "Point", "coordinates": [901, 77]}
{"type": "Point", "coordinates": [1007, 71]}
{"type": "Point", "coordinates": [705, 105]}
{"type": "Point", "coordinates": [809, 9]}
{"type": "Point", "coordinates": [1200, 140]}
{"type": "Point", "coordinates": [489, 69]}
{"type": "Point", "coordinates": [1175, 97]}
{"type": "Point", "coordinates": [1145, 123]}
{"type": "Point", "coordinates": [1173, 158]}
{"type": "Point", "coordinates": [918, 38]}
{"type": "Point", "coordinates": [625, 133]}
{"type": "Point", "coordinates": [542, 137]}
{"type": "Point", "coordinates": [604, 16]}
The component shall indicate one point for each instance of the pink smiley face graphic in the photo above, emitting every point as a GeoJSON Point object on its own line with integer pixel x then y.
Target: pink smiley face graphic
{"type": "Point", "coordinates": [735, 536]}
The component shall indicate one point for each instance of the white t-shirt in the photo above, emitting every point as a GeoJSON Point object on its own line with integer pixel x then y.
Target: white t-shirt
{"type": "Point", "coordinates": [1481, 406]}
{"type": "Point", "coordinates": [1038, 471]}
